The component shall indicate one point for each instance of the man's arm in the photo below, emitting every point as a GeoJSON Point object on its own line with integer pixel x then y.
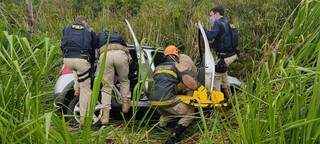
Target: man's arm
{"type": "Point", "coordinates": [94, 45]}
{"type": "Point", "coordinates": [94, 42]}
{"type": "Point", "coordinates": [215, 29]}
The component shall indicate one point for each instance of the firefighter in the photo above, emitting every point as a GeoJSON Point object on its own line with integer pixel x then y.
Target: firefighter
{"type": "Point", "coordinates": [188, 62]}
{"type": "Point", "coordinates": [167, 75]}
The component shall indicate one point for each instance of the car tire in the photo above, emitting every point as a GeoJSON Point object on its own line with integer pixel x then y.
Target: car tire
{"type": "Point", "coordinates": [74, 115]}
{"type": "Point", "coordinates": [71, 106]}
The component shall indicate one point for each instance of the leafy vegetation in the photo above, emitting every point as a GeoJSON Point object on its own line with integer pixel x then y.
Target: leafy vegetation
{"type": "Point", "coordinates": [280, 63]}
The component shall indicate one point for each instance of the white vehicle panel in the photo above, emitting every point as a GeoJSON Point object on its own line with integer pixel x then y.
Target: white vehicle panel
{"type": "Point", "coordinates": [234, 81]}
{"type": "Point", "coordinates": [209, 60]}
{"type": "Point", "coordinates": [62, 82]}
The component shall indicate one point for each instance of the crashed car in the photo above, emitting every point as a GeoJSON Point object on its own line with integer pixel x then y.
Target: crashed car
{"type": "Point", "coordinates": [67, 103]}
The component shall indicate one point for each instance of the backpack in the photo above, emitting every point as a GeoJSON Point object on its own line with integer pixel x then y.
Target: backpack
{"type": "Point", "coordinates": [234, 37]}
{"type": "Point", "coordinates": [102, 37]}
{"type": "Point", "coordinates": [233, 32]}
{"type": "Point", "coordinates": [112, 37]}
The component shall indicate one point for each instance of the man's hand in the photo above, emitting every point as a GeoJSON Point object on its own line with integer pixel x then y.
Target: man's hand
{"type": "Point", "coordinates": [77, 93]}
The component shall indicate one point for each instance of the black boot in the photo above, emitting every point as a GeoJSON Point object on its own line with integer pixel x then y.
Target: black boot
{"type": "Point", "coordinates": [226, 92]}
{"type": "Point", "coordinates": [176, 134]}
{"type": "Point", "coordinates": [227, 95]}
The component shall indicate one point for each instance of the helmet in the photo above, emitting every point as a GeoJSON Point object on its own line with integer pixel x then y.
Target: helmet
{"type": "Point", "coordinates": [171, 50]}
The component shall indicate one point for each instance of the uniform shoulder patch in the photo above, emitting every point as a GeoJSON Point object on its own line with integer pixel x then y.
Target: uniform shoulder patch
{"type": "Point", "coordinates": [77, 27]}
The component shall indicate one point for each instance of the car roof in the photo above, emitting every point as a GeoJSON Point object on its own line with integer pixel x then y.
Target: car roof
{"type": "Point", "coordinates": [130, 46]}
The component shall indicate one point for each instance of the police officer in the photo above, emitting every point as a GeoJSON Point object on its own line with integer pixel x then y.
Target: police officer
{"type": "Point", "coordinates": [118, 59]}
{"type": "Point", "coordinates": [167, 75]}
{"type": "Point", "coordinates": [221, 34]}
{"type": "Point", "coordinates": [78, 45]}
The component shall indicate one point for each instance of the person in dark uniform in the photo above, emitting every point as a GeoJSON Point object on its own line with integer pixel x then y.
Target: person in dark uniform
{"type": "Point", "coordinates": [78, 44]}
{"type": "Point", "coordinates": [223, 45]}
{"type": "Point", "coordinates": [117, 62]}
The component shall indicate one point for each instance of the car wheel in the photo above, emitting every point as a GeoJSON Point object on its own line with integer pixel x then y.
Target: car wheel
{"type": "Point", "coordinates": [74, 112]}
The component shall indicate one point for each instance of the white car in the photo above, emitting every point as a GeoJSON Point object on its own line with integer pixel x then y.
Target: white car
{"type": "Point", "coordinates": [67, 103]}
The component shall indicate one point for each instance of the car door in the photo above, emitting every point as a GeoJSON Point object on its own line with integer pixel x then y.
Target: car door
{"type": "Point", "coordinates": [207, 64]}
{"type": "Point", "coordinates": [144, 72]}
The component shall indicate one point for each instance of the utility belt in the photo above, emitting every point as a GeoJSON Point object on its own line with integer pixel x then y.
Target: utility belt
{"type": "Point", "coordinates": [74, 52]}
{"type": "Point", "coordinates": [116, 46]}
{"type": "Point", "coordinates": [78, 54]}
{"type": "Point", "coordinates": [225, 55]}
{"type": "Point", "coordinates": [86, 57]}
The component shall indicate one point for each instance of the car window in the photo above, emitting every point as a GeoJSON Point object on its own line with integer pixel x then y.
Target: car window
{"type": "Point", "coordinates": [158, 57]}
{"type": "Point", "coordinates": [133, 68]}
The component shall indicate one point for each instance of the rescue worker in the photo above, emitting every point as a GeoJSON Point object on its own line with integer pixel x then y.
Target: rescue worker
{"type": "Point", "coordinates": [221, 34]}
{"type": "Point", "coordinates": [78, 45]}
{"type": "Point", "coordinates": [167, 75]}
{"type": "Point", "coordinates": [188, 62]}
{"type": "Point", "coordinates": [117, 61]}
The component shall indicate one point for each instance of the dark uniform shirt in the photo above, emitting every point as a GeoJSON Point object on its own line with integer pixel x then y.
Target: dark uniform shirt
{"type": "Point", "coordinates": [78, 40]}
{"type": "Point", "coordinates": [220, 32]}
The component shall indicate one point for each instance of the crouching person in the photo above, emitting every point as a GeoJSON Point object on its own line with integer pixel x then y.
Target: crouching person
{"type": "Point", "coordinates": [117, 61]}
{"type": "Point", "coordinates": [167, 76]}
{"type": "Point", "coordinates": [188, 62]}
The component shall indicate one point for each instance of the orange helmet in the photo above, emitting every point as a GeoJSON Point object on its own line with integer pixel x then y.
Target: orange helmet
{"type": "Point", "coordinates": [171, 50]}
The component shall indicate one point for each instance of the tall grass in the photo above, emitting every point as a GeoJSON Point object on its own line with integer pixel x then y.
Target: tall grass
{"type": "Point", "coordinates": [280, 103]}
{"type": "Point", "coordinates": [23, 88]}
{"type": "Point", "coordinates": [162, 22]}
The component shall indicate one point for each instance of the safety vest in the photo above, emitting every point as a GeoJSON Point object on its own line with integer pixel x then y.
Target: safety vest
{"type": "Point", "coordinates": [166, 78]}
{"type": "Point", "coordinates": [76, 41]}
